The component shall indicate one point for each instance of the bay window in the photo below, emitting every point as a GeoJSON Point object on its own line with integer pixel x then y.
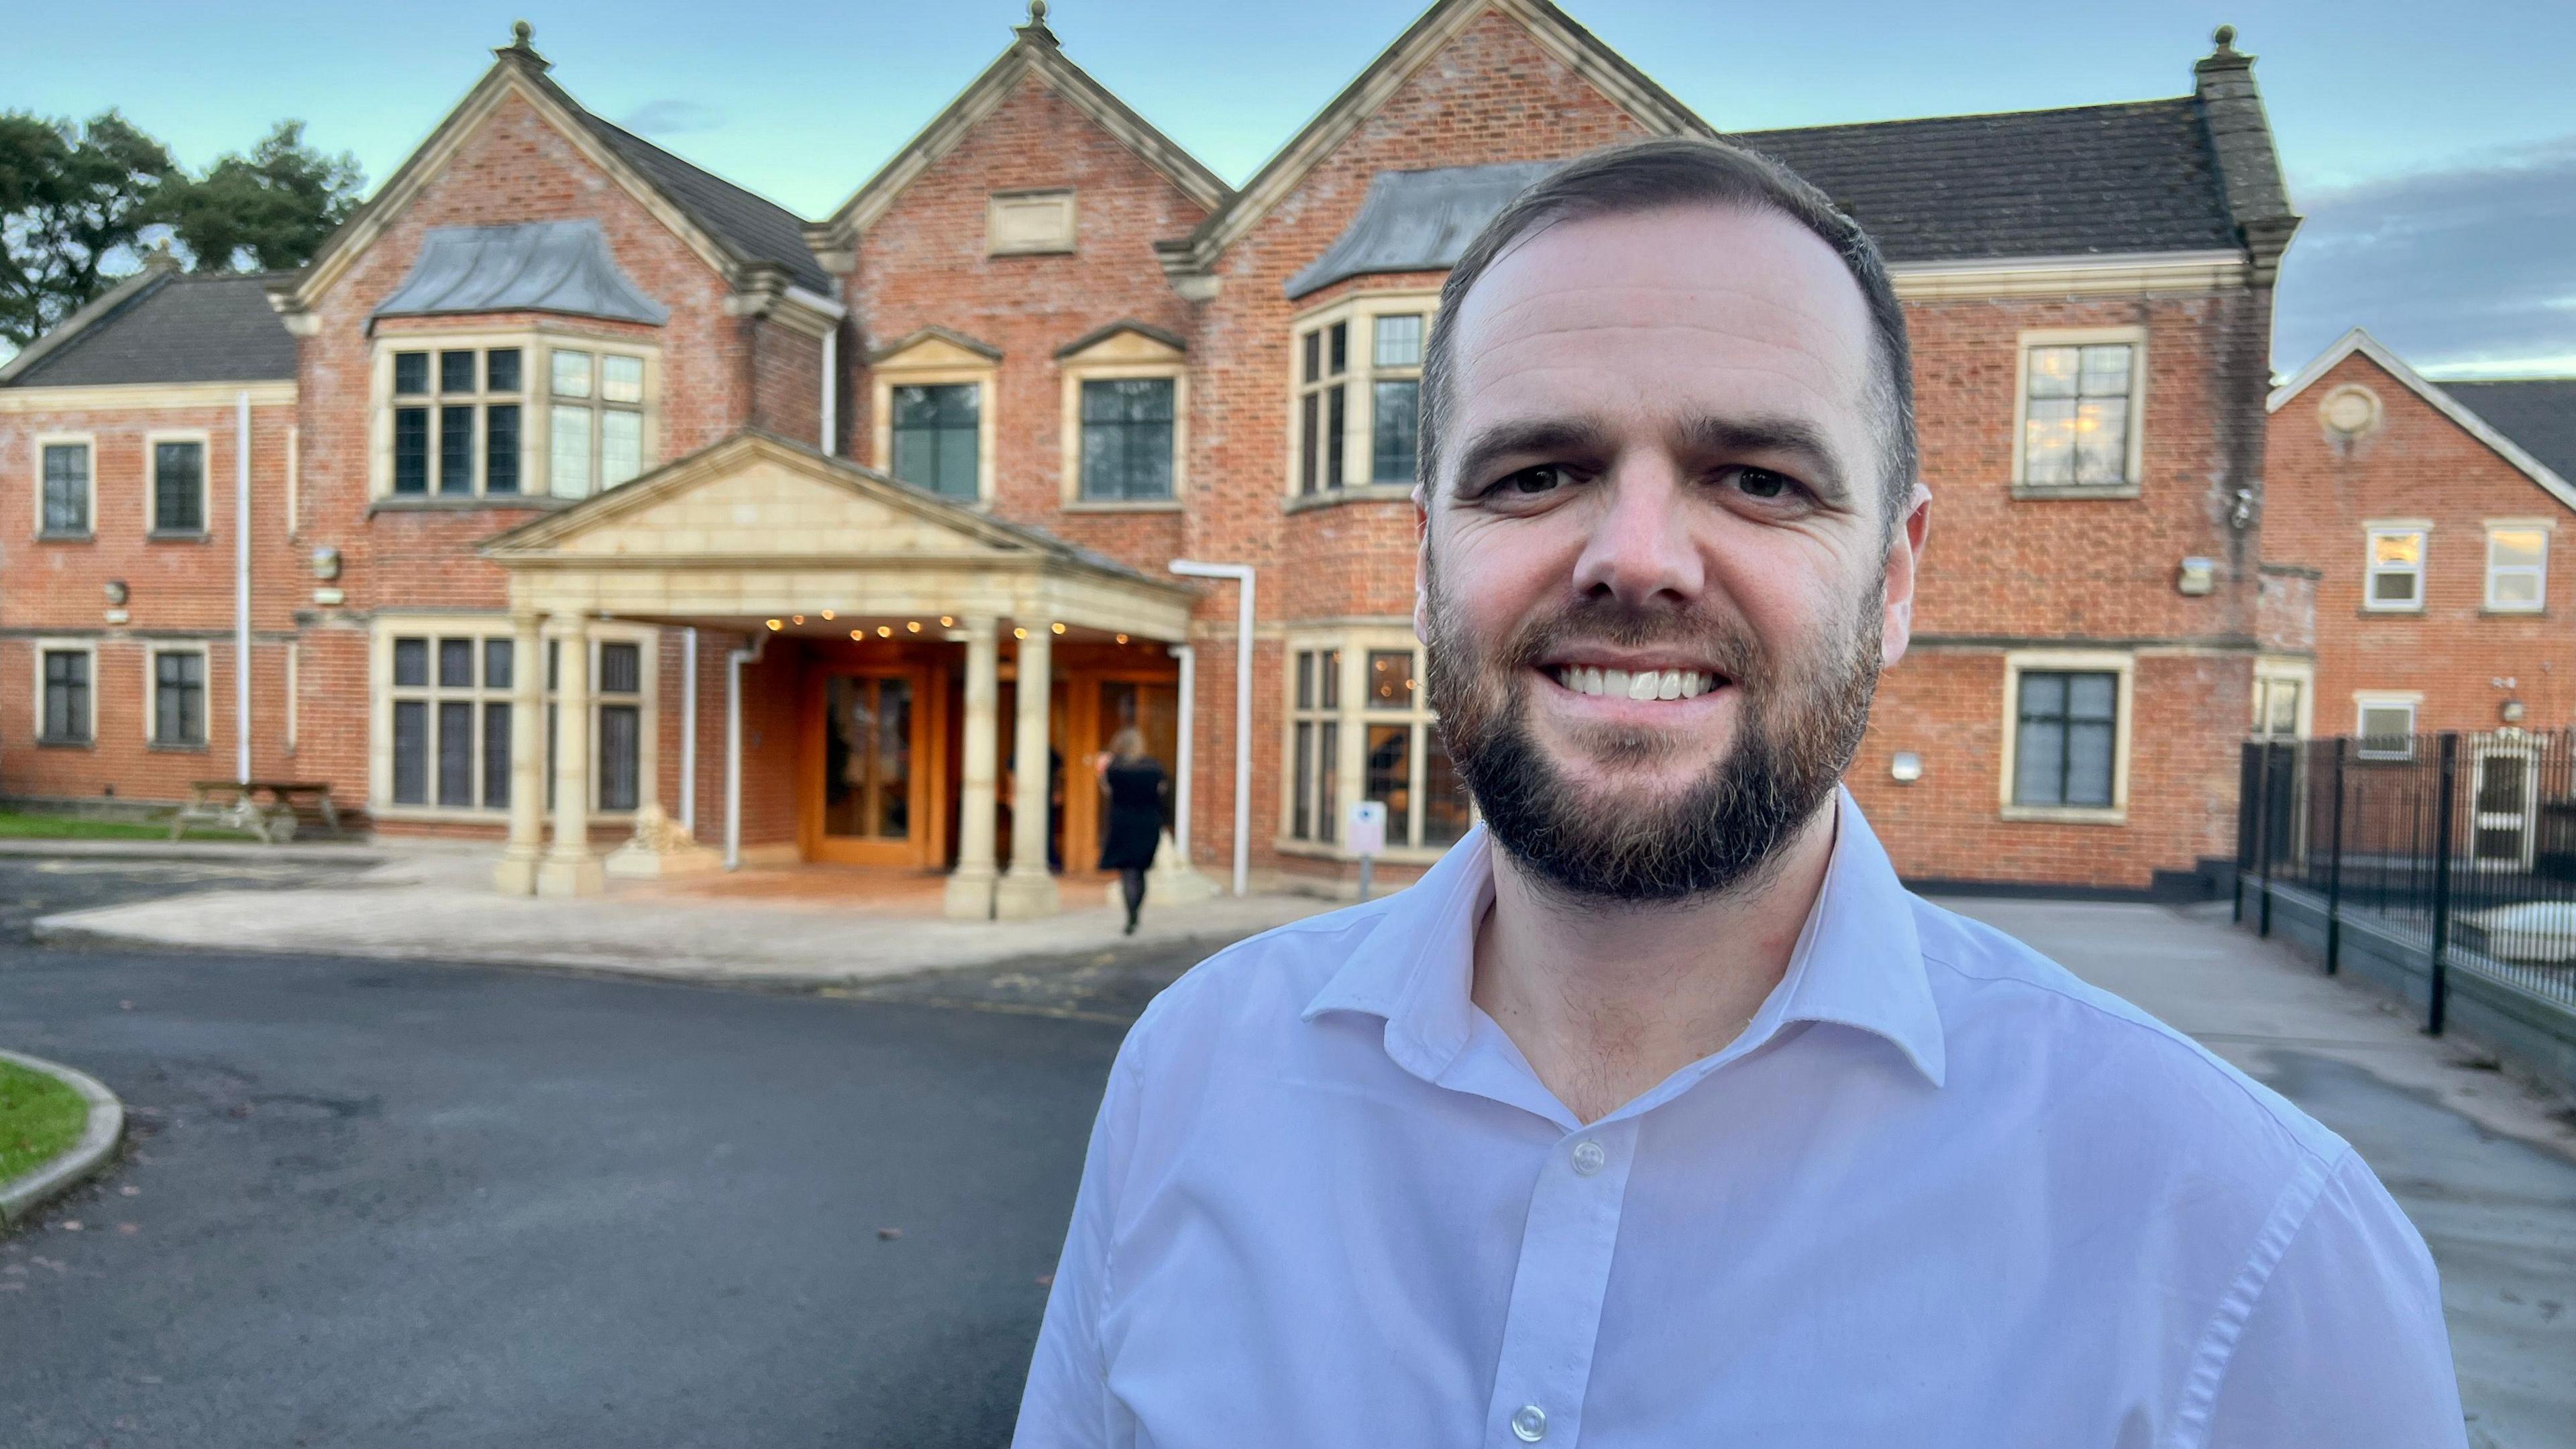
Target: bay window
{"type": "Point", "coordinates": [447, 696]}
{"type": "Point", "coordinates": [1360, 727]}
{"type": "Point", "coordinates": [510, 415]}
{"type": "Point", "coordinates": [1356, 415]}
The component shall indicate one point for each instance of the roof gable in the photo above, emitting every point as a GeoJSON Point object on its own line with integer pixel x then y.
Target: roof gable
{"type": "Point", "coordinates": [2539, 413]}
{"type": "Point", "coordinates": [1033, 52]}
{"type": "Point", "coordinates": [2357, 340]}
{"type": "Point", "coordinates": [163, 326]}
{"type": "Point", "coordinates": [1552, 29]}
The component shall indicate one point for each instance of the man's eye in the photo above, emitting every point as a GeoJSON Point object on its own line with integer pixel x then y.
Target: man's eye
{"type": "Point", "coordinates": [1762, 482]}
{"type": "Point", "coordinates": [1545, 478]}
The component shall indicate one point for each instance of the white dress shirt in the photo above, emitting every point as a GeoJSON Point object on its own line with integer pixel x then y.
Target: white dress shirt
{"type": "Point", "coordinates": [1940, 1192]}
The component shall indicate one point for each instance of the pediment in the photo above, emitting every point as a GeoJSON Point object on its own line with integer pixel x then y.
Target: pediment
{"type": "Point", "coordinates": [934, 347]}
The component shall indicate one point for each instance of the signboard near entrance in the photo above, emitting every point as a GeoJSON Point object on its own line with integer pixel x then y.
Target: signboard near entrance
{"type": "Point", "coordinates": [1365, 833]}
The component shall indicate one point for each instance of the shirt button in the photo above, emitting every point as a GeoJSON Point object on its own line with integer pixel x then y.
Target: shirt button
{"type": "Point", "coordinates": [1530, 1424]}
{"type": "Point", "coordinates": [1588, 1159]}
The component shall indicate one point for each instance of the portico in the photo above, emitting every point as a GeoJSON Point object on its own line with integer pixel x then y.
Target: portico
{"type": "Point", "coordinates": [881, 629]}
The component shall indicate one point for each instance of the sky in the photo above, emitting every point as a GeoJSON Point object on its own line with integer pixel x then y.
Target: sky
{"type": "Point", "coordinates": [2432, 149]}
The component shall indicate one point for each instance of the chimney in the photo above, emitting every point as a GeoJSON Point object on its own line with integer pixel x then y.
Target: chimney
{"type": "Point", "coordinates": [2249, 169]}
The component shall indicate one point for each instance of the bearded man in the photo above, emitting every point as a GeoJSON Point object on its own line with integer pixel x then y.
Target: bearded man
{"type": "Point", "coordinates": [1659, 1112]}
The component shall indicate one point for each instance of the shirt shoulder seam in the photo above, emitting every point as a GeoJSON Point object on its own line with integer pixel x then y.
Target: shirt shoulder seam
{"type": "Point", "coordinates": [2215, 1352]}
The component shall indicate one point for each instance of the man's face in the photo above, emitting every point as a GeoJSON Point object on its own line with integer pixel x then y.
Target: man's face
{"type": "Point", "coordinates": [1658, 580]}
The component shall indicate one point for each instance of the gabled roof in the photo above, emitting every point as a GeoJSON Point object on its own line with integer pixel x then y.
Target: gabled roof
{"type": "Point", "coordinates": [2442, 399]}
{"type": "Point", "coordinates": [1146, 330]}
{"type": "Point", "coordinates": [1033, 51]}
{"type": "Point", "coordinates": [2135, 177]}
{"type": "Point", "coordinates": [738, 234]}
{"type": "Point", "coordinates": [934, 331]}
{"type": "Point", "coordinates": [2538, 412]}
{"type": "Point", "coordinates": [163, 325]}
{"type": "Point", "coordinates": [1579, 49]}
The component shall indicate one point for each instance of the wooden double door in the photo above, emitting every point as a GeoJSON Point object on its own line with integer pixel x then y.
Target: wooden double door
{"type": "Point", "coordinates": [871, 774]}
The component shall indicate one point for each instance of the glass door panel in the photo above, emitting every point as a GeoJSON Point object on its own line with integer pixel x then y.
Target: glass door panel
{"type": "Point", "coordinates": [867, 758]}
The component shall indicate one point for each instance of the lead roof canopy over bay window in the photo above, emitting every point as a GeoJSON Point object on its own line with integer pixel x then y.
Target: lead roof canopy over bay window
{"type": "Point", "coordinates": [563, 406]}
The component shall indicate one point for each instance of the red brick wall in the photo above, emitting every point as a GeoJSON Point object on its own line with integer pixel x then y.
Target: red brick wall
{"type": "Point", "coordinates": [2417, 464]}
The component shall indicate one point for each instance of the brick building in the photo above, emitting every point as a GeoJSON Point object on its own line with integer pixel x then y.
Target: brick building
{"type": "Point", "coordinates": [2412, 537]}
{"type": "Point", "coordinates": [572, 477]}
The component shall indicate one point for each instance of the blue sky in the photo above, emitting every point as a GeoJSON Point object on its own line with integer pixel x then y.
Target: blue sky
{"type": "Point", "coordinates": [2433, 149]}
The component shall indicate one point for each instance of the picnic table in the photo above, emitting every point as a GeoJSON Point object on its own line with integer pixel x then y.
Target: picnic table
{"type": "Point", "coordinates": [268, 809]}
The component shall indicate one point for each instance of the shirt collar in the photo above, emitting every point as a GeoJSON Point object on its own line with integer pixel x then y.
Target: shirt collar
{"type": "Point", "coordinates": [1858, 961]}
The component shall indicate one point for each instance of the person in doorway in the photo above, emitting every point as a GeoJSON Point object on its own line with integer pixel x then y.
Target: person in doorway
{"type": "Point", "coordinates": [1137, 791]}
{"type": "Point", "coordinates": [1659, 1112]}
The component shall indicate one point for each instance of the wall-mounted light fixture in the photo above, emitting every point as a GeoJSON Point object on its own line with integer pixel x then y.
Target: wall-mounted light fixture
{"type": "Point", "coordinates": [326, 563]}
{"type": "Point", "coordinates": [116, 592]}
{"type": "Point", "coordinates": [1905, 768]}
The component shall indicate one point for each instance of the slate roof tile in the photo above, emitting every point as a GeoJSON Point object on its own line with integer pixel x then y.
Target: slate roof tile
{"type": "Point", "coordinates": [215, 327]}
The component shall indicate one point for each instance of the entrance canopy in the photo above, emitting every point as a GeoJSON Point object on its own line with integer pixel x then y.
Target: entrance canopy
{"type": "Point", "coordinates": [757, 526]}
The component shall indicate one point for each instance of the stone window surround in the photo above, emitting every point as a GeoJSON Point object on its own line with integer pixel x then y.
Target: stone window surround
{"type": "Point", "coordinates": [2545, 527]}
{"type": "Point", "coordinates": [1059, 241]}
{"type": "Point", "coordinates": [1361, 309]}
{"type": "Point", "coordinates": [1350, 773]}
{"type": "Point", "coordinates": [152, 441]}
{"type": "Point", "coordinates": [2301, 672]}
{"type": "Point", "coordinates": [535, 414]}
{"type": "Point", "coordinates": [36, 471]}
{"type": "Point", "coordinates": [36, 730]}
{"type": "Point", "coordinates": [2119, 662]}
{"type": "Point", "coordinates": [2374, 529]}
{"type": "Point", "coordinates": [2030, 338]}
{"type": "Point", "coordinates": [480, 627]}
{"type": "Point", "coordinates": [1124, 354]}
{"type": "Point", "coordinates": [152, 653]}
{"type": "Point", "coordinates": [930, 363]}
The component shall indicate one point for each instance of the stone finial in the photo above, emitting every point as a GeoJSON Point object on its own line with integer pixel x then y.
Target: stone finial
{"type": "Point", "coordinates": [522, 46]}
{"type": "Point", "coordinates": [523, 36]}
{"type": "Point", "coordinates": [2225, 36]}
{"type": "Point", "coordinates": [1037, 12]}
{"type": "Point", "coordinates": [1036, 29]}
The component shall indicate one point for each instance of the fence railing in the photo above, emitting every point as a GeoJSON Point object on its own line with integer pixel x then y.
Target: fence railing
{"type": "Point", "coordinates": [2464, 844]}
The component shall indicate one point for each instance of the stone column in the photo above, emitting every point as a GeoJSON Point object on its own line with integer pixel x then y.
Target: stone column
{"type": "Point", "coordinates": [970, 885]}
{"type": "Point", "coordinates": [569, 868]}
{"type": "Point", "coordinates": [1029, 890]}
{"type": "Point", "coordinates": [517, 873]}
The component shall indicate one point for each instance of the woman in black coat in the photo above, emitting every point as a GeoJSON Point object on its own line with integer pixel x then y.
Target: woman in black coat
{"type": "Point", "coordinates": [1137, 789]}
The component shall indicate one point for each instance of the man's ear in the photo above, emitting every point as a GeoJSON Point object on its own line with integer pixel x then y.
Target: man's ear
{"type": "Point", "coordinates": [1904, 566]}
{"type": "Point", "coordinates": [1421, 565]}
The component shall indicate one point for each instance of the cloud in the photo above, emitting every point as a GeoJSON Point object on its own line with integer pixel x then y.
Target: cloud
{"type": "Point", "coordinates": [670, 116]}
{"type": "Point", "coordinates": [2465, 269]}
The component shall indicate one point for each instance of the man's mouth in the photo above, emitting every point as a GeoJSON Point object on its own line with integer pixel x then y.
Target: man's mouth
{"type": "Point", "coordinates": [1614, 682]}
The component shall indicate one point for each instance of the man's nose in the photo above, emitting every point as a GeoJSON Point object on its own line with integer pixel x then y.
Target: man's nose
{"type": "Point", "coordinates": [1640, 549]}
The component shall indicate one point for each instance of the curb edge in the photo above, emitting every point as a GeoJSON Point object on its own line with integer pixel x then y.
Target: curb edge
{"type": "Point", "coordinates": [20, 1199]}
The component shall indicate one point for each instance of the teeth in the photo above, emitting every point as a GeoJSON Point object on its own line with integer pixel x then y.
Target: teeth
{"type": "Point", "coordinates": [1648, 684]}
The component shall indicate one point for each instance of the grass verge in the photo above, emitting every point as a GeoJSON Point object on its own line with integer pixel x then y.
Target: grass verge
{"type": "Point", "coordinates": [22, 825]}
{"type": "Point", "coordinates": [40, 1119]}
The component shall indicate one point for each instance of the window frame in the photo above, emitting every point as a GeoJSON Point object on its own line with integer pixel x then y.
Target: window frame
{"type": "Point", "coordinates": [88, 533]}
{"type": "Point", "coordinates": [2366, 700]}
{"type": "Point", "coordinates": [2539, 572]}
{"type": "Point", "coordinates": [1360, 310]}
{"type": "Point", "coordinates": [36, 731]}
{"type": "Point", "coordinates": [599, 407]}
{"type": "Point", "coordinates": [1123, 355]}
{"type": "Point", "coordinates": [2300, 672]}
{"type": "Point", "coordinates": [934, 362]}
{"type": "Point", "coordinates": [535, 402]}
{"type": "Point", "coordinates": [481, 628]}
{"type": "Point", "coordinates": [1352, 714]}
{"type": "Point", "coordinates": [895, 432]}
{"type": "Point", "coordinates": [152, 441]}
{"type": "Point", "coordinates": [153, 653]}
{"type": "Point", "coordinates": [2018, 662]}
{"type": "Point", "coordinates": [2377, 529]}
{"type": "Point", "coordinates": [2133, 482]}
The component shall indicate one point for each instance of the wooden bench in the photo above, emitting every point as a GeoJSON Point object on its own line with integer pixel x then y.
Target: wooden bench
{"type": "Point", "coordinates": [270, 810]}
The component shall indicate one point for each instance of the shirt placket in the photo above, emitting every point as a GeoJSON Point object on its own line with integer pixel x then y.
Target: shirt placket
{"type": "Point", "coordinates": [1558, 1287]}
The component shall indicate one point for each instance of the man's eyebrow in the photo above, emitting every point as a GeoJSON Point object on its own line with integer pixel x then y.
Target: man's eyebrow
{"type": "Point", "coordinates": [1577, 436]}
{"type": "Point", "coordinates": [1771, 433]}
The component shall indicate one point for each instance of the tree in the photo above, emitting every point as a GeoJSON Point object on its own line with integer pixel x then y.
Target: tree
{"type": "Point", "coordinates": [72, 198]}
{"type": "Point", "coordinates": [268, 211]}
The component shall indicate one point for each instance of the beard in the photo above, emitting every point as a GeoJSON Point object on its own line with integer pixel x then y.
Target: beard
{"type": "Point", "coordinates": [1798, 724]}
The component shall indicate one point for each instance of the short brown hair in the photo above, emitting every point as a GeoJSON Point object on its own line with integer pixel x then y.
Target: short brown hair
{"type": "Point", "coordinates": [1660, 174]}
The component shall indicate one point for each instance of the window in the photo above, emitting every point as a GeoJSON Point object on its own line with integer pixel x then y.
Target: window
{"type": "Point", "coordinates": [1358, 406]}
{"type": "Point", "coordinates": [1399, 757]}
{"type": "Point", "coordinates": [457, 421]}
{"type": "Point", "coordinates": [179, 698]}
{"type": "Point", "coordinates": [178, 486]}
{"type": "Point", "coordinates": [938, 438]}
{"type": "Point", "coordinates": [2395, 569]}
{"type": "Point", "coordinates": [621, 720]}
{"type": "Point", "coordinates": [594, 420]}
{"type": "Point", "coordinates": [2081, 396]}
{"type": "Point", "coordinates": [1127, 439]}
{"type": "Point", "coordinates": [2517, 566]}
{"type": "Point", "coordinates": [449, 708]}
{"type": "Point", "coordinates": [64, 680]}
{"type": "Point", "coordinates": [2277, 701]}
{"type": "Point", "coordinates": [2385, 725]}
{"type": "Point", "coordinates": [65, 508]}
{"type": "Point", "coordinates": [2066, 743]}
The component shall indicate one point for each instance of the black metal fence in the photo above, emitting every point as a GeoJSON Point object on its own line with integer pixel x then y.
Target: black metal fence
{"type": "Point", "coordinates": [2463, 843]}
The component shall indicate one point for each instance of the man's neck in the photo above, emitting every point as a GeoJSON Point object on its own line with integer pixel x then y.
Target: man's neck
{"type": "Point", "coordinates": [1608, 999]}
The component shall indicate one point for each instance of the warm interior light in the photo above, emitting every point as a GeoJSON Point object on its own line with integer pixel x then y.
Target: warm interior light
{"type": "Point", "coordinates": [1059, 628]}
{"type": "Point", "coordinates": [885, 631]}
{"type": "Point", "coordinates": [912, 626]}
{"type": "Point", "coordinates": [773, 623]}
{"type": "Point", "coordinates": [947, 621]}
{"type": "Point", "coordinates": [1122, 638]}
{"type": "Point", "coordinates": [1019, 633]}
{"type": "Point", "coordinates": [796, 618]}
{"type": "Point", "coordinates": [858, 633]}
{"type": "Point", "coordinates": [827, 613]}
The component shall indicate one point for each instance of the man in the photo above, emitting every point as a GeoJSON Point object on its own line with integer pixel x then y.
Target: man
{"type": "Point", "coordinates": [1659, 1112]}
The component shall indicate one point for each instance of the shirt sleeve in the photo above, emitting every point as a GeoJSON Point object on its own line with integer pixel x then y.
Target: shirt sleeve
{"type": "Point", "coordinates": [2346, 1345]}
{"type": "Point", "coordinates": [1066, 1403]}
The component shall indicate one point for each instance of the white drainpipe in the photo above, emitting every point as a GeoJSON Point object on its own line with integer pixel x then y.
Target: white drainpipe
{"type": "Point", "coordinates": [831, 393]}
{"type": "Point", "coordinates": [689, 730]}
{"type": "Point", "coordinates": [241, 584]}
{"type": "Point", "coordinates": [734, 662]}
{"type": "Point", "coordinates": [1241, 574]}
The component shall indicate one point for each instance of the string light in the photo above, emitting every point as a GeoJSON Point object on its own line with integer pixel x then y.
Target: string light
{"type": "Point", "coordinates": [796, 618]}
{"type": "Point", "coordinates": [1059, 628]}
{"type": "Point", "coordinates": [1019, 633]}
{"type": "Point", "coordinates": [947, 621]}
{"type": "Point", "coordinates": [827, 613]}
{"type": "Point", "coordinates": [1122, 638]}
{"type": "Point", "coordinates": [885, 631]}
{"type": "Point", "coordinates": [912, 626]}
{"type": "Point", "coordinates": [858, 633]}
{"type": "Point", "coordinates": [774, 624]}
